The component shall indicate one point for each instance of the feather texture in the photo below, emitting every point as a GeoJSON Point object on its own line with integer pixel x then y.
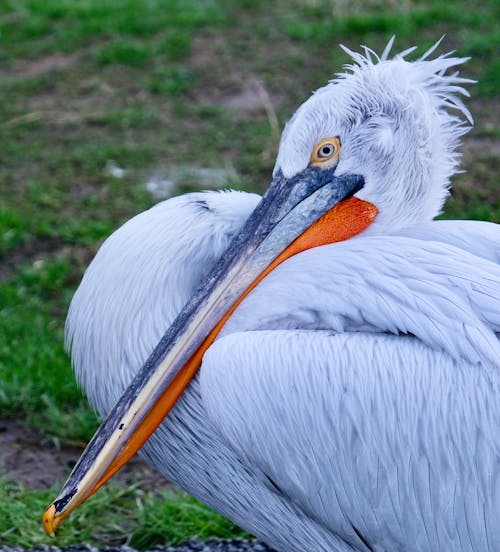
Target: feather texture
{"type": "Point", "coordinates": [379, 438]}
{"type": "Point", "coordinates": [448, 298]}
{"type": "Point", "coordinates": [336, 440]}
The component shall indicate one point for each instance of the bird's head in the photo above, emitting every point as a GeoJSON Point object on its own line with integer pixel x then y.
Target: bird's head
{"type": "Point", "coordinates": [394, 122]}
{"type": "Point", "coordinates": [381, 132]}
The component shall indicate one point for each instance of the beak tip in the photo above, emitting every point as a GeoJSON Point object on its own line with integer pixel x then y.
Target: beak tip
{"type": "Point", "coordinates": [50, 522]}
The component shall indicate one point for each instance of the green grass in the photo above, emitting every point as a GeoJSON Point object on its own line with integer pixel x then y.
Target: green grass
{"type": "Point", "coordinates": [115, 516]}
{"type": "Point", "coordinates": [139, 83]}
{"type": "Point", "coordinates": [36, 379]}
{"type": "Point", "coordinates": [67, 26]}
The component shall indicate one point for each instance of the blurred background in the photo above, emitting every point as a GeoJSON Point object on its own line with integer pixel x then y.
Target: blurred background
{"type": "Point", "coordinates": [108, 107]}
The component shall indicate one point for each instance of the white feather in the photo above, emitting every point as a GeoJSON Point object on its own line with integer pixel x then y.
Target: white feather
{"type": "Point", "coordinates": [448, 298]}
{"type": "Point", "coordinates": [380, 439]}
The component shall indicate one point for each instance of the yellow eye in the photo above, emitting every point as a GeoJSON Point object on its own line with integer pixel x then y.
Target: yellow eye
{"type": "Point", "coordinates": [326, 152]}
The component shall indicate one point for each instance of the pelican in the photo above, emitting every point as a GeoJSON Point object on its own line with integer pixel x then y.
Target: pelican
{"type": "Point", "coordinates": [327, 354]}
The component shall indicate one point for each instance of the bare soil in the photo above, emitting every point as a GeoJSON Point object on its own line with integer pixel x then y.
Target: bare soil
{"type": "Point", "coordinates": [37, 463]}
{"type": "Point", "coordinates": [45, 64]}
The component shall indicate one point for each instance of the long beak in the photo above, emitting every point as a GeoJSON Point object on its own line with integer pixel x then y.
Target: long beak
{"type": "Point", "coordinates": [313, 208]}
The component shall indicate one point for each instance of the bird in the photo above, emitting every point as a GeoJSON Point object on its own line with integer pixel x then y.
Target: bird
{"type": "Point", "coordinates": [347, 395]}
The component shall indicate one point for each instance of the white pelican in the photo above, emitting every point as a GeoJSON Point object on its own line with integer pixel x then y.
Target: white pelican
{"type": "Point", "coordinates": [352, 400]}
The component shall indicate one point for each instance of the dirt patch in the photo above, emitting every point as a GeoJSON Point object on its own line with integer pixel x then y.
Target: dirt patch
{"type": "Point", "coordinates": [54, 62]}
{"type": "Point", "coordinates": [34, 461]}
{"type": "Point", "coordinates": [480, 154]}
{"type": "Point", "coordinates": [247, 99]}
{"type": "Point", "coordinates": [26, 252]}
{"type": "Point", "coordinates": [245, 94]}
{"type": "Point", "coordinates": [220, 83]}
{"type": "Point", "coordinates": [475, 147]}
{"type": "Point", "coordinates": [40, 250]}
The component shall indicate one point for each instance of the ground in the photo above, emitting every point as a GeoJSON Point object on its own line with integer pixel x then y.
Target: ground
{"type": "Point", "coordinates": [109, 107]}
{"type": "Point", "coordinates": [31, 459]}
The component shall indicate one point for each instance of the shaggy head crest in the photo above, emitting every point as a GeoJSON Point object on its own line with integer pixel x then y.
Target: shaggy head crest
{"type": "Point", "coordinates": [424, 73]}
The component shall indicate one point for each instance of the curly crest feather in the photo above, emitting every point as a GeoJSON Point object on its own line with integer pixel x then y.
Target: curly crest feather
{"type": "Point", "coordinates": [428, 74]}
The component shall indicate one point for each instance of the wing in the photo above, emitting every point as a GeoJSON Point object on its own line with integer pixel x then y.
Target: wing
{"type": "Point", "coordinates": [447, 297]}
{"type": "Point", "coordinates": [138, 282]}
{"type": "Point", "coordinates": [382, 440]}
{"type": "Point", "coordinates": [477, 237]}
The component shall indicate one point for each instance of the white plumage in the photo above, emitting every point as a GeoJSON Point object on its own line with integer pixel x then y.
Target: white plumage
{"type": "Point", "coordinates": [351, 402]}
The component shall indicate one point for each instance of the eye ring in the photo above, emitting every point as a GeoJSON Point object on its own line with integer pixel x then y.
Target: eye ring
{"type": "Point", "coordinates": [326, 152]}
